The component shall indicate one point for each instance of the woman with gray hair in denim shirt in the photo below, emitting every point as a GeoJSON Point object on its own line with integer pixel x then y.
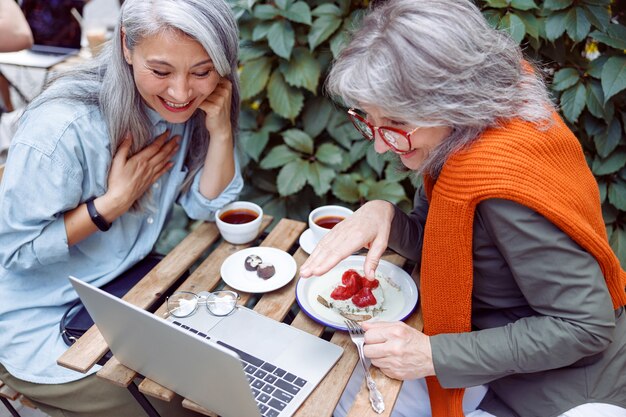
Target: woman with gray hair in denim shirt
{"type": "Point", "coordinates": [97, 162]}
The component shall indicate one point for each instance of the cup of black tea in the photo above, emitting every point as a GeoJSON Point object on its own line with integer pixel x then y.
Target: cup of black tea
{"type": "Point", "coordinates": [324, 218]}
{"type": "Point", "coordinates": [239, 222]}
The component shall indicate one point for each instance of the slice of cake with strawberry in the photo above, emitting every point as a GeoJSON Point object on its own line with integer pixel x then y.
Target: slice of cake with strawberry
{"type": "Point", "coordinates": [355, 297]}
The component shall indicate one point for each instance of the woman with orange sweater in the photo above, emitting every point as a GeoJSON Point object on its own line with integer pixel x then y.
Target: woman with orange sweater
{"type": "Point", "coordinates": [520, 291]}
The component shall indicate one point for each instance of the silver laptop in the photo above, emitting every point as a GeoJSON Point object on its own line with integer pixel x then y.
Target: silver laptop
{"type": "Point", "coordinates": [241, 365]}
{"type": "Point", "coordinates": [56, 33]}
{"type": "Point", "coordinates": [39, 56]}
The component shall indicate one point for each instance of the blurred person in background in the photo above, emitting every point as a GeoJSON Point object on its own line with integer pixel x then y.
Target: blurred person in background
{"type": "Point", "coordinates": [15, 35]}
{"type": "Point", "coordinates": [520, 290]}
{"type": "Point", "coordinates": [97, 162]}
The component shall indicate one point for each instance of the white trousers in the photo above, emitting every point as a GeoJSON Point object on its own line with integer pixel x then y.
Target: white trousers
{"type": "Point", "coordinates": [585, 410]}
{"type": "Point", "coordinates": [413, 401]}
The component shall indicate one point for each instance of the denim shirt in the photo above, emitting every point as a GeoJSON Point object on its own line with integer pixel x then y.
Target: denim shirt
{"type": "Point", "coordinates": [58, 159]}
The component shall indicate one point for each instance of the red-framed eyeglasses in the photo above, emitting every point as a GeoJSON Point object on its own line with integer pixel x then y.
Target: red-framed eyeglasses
{"type": "Point", "coordinates": [397, 139]}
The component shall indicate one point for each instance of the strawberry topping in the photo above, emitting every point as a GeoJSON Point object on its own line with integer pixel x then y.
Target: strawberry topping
{"type": "Point", "coordinates": [364, 298]}
{"type": "Point", "coordinates": [356, 287]}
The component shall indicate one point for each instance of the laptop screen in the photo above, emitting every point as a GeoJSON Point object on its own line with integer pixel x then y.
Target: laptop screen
{"type": "Point", "coordinates": [52, 22]}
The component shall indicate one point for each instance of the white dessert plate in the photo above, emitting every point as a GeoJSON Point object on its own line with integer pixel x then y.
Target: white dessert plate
{"type": "Point", "coordinates": [399, 289]}
{"type": "Point", "coordinates": [307, 241]}
{"type": "Point", "coordinates": [235, 274]}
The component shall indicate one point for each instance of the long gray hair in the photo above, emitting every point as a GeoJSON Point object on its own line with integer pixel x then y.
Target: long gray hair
{"type": "Point", "coordinates": [438, 63]}
{"type": "Point", "coordinates": [107, 81]}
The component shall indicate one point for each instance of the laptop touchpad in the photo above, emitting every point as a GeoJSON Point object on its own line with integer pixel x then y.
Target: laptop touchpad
{"type": "Point", "coordinates": [253, 333]}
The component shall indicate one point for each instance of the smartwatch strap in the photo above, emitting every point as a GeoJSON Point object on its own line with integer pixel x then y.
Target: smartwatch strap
{"type": "Point", "coordinates": [96, 217]}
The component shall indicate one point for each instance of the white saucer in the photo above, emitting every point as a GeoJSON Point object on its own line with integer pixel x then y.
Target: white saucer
{"type": "Point", "coordinates": [238, 277]}
{"type": "Point", "coordinates": [307, 241]}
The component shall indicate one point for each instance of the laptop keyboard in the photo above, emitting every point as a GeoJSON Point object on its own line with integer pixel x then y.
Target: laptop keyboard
{"type": "Point", "coordinates": [272, 387]}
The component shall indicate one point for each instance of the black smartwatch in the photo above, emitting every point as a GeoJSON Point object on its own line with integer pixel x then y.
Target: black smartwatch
{"type": "Point", "coordinates": [96, 217]}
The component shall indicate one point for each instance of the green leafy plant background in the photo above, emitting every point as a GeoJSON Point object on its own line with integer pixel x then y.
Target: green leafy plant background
{"type": "Point", "coordinates": [299, 150]}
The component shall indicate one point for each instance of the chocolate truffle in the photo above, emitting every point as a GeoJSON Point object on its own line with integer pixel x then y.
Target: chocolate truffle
{"type": "Point", "coordinates": [252, 262]}
{"type": "Point", "coordinates": [266, 270]}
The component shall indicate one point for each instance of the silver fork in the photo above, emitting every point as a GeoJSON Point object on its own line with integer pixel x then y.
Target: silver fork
{"type": "Point", "coordinates": [358, 338]}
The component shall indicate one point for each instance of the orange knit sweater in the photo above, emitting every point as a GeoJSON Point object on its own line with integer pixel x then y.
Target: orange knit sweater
{"type": "Point", "coordinates": [543, 170]}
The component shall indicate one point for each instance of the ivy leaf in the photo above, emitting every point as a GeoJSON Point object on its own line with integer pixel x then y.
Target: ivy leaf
{"type": "Point", "coordinates": [493, 17]}
{"type": "Point", "coordinates": [514, 25]}
{"type": "Point", "coordinates": [617, 195]}
{"type": "Point", "coordinates": [298, 140]}
{"type": "Point", "coordinates": [260, 31]}
{"type": "Point", "coordinates": [602, 188]}
{"type": "Point", "coordinates": [577, 24]}
{"type": "Point", "coordinates": [573, 101]}
{"type": "Point", "coordinates": [341, 129]}
{"type": "Point", "coordinates": [523, 4]}
{"type": "Point", "coordinates": [327, 9]}
{"type": "Point", "coordinates": [281, 38]}
{"type": "Point", "coordinates": [248, 52]}
{"type": "Point", "coordinates": [613, 76]}
{"type": "Point", "coordinates": [322, 28]}
{"type": "Point", "coordinates": [329, 154]}
{"type": "Point", "coordinates": [265, 12]}
{"type": "Point", "coordinates": [282, 4]}
{"type": "Point", "coordinates": [302, 71]}
{"type": "Point", "coordinates": [596, 66]}
{"type": "Point", "coordinates": [557, 4]}
{"type": "Point", "coordinates": [374, 160]}
{"type": "Point", "coordinates": [614, 37]}
{"type": "Point", "coordinates": [320, 177]}
{"type": "Point", "coordinates": [595, 99]}
{"type": "Point", "coordinates": [299, 12]}
{"type": "Point", "coordinates": [254, 76]}
{"type": "Point", "coordinates": [316, 115]}
{"type": "Point", "coordinates": [497, 4]}
{"type": "Point", "coordinates": [618, 243]}
{"type": "Point", "coordinates": [253, 142]}
{"type": "Point", "coordinates": [565, 78]}
{"type": "Point", "coordinates": [607, 141]}
{"type": "Point", "coordinates": [340, 39]}
{"type": "Point", "coordinates": [394, 173]}
{"type": "Point", "coordinates": [292, 177]}
{"type": "Point", "coordinates": [531, 24]}
{"type": "Point", "coordinates": [284, 100]}
{"type": "Point", "coordinates": [346, 188]}
{"type": "Point", "coordinates": [593, 126]}
{"type": "Point", "coordinates": [386, 190]}
{"type": "Point", "coordinates": [555, 25]}
{"type": "Point", "coordinates": [612, 164]}
{"type": "Point", "coordinates": [358, 150]}
{"type": "Point", "coordinates": [598, 16]}
{"type": "Point", "coordinates": [247, 120]}
{"type": "Point", "coordinates": [273, 123]}
{"type": "Point", "coordinates": [279, 156]}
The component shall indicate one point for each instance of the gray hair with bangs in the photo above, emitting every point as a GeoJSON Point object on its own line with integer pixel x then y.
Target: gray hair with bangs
{"type": "Point", "coordinates": [107, 80]}
{"type": "Point", "coordinates": [438, 63]}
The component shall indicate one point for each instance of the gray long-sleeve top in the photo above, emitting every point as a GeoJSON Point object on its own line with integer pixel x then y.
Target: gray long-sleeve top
{"type": "Point", "coordinates": [545, 337]}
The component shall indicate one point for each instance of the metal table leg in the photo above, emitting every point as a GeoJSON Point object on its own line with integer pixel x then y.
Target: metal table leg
{"type": "Point", "coordinates": [9, 407]}
{"type": "Point", "coordinates": [142, 400]}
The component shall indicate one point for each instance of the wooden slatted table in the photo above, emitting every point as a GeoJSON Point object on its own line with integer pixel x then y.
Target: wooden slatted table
{"type": "Point", "coordinates": [88, 350]}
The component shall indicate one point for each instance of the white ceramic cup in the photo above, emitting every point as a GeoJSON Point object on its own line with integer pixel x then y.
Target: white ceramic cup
{"type": "Point", "coordinates": [326, 212]}
{"type": "Point", "coordinates": [242, 232]}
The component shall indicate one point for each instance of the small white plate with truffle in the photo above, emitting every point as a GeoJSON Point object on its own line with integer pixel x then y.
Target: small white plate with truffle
{"type": "Point", "coordinates": [259, 269]}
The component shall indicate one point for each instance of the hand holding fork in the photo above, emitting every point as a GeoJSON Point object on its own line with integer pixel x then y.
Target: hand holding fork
{"type": "Point", "coordinates": [358, 338]}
